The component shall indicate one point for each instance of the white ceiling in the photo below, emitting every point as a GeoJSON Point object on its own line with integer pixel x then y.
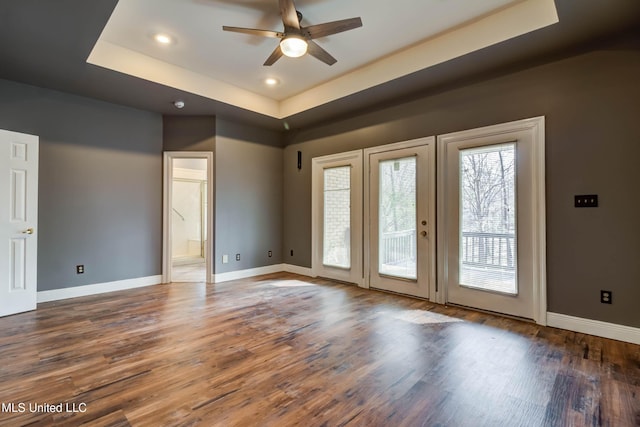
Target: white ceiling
{"type": "Point", "coordinates": [397, 38]}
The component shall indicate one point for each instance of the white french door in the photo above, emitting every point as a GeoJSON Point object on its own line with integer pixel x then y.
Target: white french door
{"type": "Point", "coordinates": [491, 218]}
{"type": "Point", "coordinates": [400, 215]}
{"type": "Point", "coordinates": [18, 222]}
{"type": "Point", "coordinates": [337, 216]}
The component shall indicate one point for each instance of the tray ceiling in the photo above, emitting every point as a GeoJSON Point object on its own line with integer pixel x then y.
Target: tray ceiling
{"type": "Point", "coordinates": [397, 38]}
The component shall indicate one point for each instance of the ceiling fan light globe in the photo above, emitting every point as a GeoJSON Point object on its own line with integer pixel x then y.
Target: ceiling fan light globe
{"type": "Point", "coordinates": [293, 47]}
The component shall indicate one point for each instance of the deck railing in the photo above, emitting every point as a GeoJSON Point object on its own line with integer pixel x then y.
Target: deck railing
{"type": "Point", "coordinates": [489, 250]}
{"type": "Point", "coordinates": [492, 250]}
{"type": "Point", "coordinates": [398, 247]}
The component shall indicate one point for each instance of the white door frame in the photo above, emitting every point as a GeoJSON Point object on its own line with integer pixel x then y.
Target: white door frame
{"type": "Point", "coordinates": [534, 128]}
{"type": "Point", "coordinates": [167, 198]}
{"type": "Point", "coordinates": [430, 142]}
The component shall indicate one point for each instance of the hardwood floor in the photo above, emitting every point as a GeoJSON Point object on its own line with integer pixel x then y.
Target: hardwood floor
{"type": "Point", "coordinates": [195, 272]}
{"type": "Point", "coordinates": [284, 350]}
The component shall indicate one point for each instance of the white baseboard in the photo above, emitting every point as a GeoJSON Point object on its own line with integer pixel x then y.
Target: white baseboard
{"type": "Point", "coordinates": [98, 288]}
{"type": "Point", "coordinates": [594, 327]}
{"type": "Point", "coordinates": [296, 269]}
{"type": "Point", "coordinates": [120, 285]}
{"type": "Point", "coordinates": [250, 272]}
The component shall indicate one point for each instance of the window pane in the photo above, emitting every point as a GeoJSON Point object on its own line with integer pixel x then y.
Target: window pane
{"type": "Point", "coordinates": [397, 218]}
{"type": "Point", "coordinates": [488, 218]}
{"type": "Point", "coordinates": [337, 217]}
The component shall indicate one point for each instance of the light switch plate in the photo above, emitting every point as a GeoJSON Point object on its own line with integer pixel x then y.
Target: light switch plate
{"type": "Point", "coordinates": [586, 201]}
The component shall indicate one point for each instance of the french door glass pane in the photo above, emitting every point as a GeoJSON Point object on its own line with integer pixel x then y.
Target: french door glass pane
{"type": "Point", "coordinates": [337, 217]}
{"type": "Point", "coordinates": [488, 218]}
{"type": "Point", "coordinates": [397, 218]}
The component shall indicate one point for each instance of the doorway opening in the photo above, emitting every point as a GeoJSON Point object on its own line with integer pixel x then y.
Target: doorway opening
{"type": "Point", "coordinates": [187, 217]}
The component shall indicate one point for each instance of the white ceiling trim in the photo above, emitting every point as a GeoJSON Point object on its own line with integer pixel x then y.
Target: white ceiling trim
{"type": "Point", "coordinates": [118, 58]}
{"type": "Point", "coordinates": [510, 22]}
{"type": "Point", "coordinates": [505, 24]}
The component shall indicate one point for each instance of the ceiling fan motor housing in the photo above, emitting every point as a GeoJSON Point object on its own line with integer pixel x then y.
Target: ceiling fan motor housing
{"type": "Point", "coordinates": [297, 40]}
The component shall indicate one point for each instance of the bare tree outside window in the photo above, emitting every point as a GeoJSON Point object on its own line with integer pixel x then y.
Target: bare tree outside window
{"type": "Point", "coordinates": [397, 217]}
{"type": "Point", "coordinates": [488, 218]}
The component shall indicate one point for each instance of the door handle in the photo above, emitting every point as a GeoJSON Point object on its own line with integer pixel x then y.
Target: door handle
{"type": "Point", "coordinates": [28, 231]}
{"type": "Point", "coordinates": [423, 233]}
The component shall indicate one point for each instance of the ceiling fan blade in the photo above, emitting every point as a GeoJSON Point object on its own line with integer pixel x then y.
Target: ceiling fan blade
{"type": "Point", "coordinates": [275, 55]}
{"type": "Point", "coordinates": [289, 15]}
{"type": "Point", "coordinates": [329, 28]}
{"type": "Point", "coordinates": [254, 32]}
{"type": "Point", "coordinates": [315, 50]}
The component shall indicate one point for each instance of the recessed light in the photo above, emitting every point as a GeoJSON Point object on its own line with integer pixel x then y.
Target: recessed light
{"type": "Point", "coordinates": [162, 38]}
{"type": "Point", "coordinates": [270, 81]}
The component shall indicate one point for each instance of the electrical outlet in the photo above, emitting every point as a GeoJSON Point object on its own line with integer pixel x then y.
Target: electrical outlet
{"type": "Point", "coordinates": [291, 252]}
{"type": "Point", "coordinates": [586, 201]}
{"type": "Point", "coordinates": [225, 259]}
{"type": "Point", "coordinates": [606, 297]}
{"type": "Point", "coordinates": [80, 269]}
{"type": "Point", "coordinates": [270, 253]}
{"type": "Point", "coordinates": [237, 257]}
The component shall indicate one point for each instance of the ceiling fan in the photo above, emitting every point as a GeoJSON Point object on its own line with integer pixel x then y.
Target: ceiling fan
{"type": "Point", "coordinates": [297, 40]}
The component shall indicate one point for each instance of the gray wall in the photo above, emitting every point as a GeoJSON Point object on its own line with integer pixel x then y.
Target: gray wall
{"type": "Point", "coordinates": [248, 197]}
{"type": "Point", "coordinates": [188, 133]}
{"type": "Point", "coordinates": [592, 108]}
{"type": "Point", "coordinates": [100, 185]}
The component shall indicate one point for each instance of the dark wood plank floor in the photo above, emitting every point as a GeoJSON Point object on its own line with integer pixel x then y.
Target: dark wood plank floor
{"type": "Point", "coordinates": [284, 350]}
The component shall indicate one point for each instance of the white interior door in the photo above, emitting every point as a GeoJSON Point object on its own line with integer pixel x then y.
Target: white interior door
{"type": "Point", "coordinates": [401, 217]}
{"type": "Point", "coordinates": [18, 222]}
{"type": "Point", "coordinates": [337, 216]}
{"type": "Point", "coordinates": [492, 218]}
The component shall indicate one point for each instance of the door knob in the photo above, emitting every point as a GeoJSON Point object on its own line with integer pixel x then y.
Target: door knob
{"type": "Point", "coordinates": [28, 231]}
{"type": "Point", "coordinates": [423, 233]}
